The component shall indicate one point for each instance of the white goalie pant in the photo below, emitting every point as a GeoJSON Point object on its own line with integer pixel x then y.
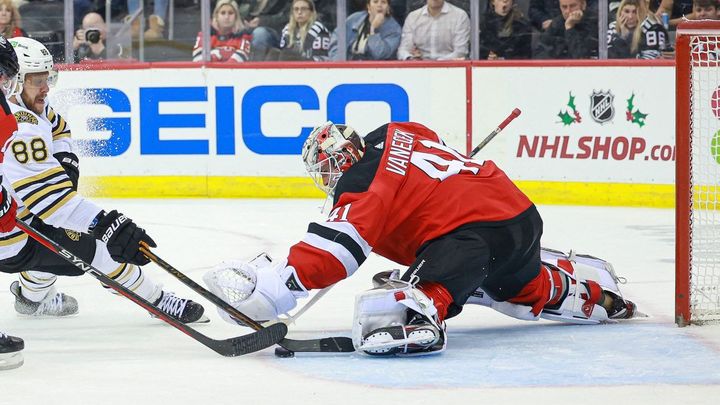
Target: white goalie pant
{"type": "Point", "coordinates": [255, 288]}
{"type": "Point", "coordinates": [583, 273]}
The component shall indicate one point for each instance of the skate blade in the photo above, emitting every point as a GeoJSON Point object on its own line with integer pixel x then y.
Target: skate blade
{"type": "Point", "coordinates": [9, 361]}
{"type": "Point", "coordinates": [202, 319]}
{"type": "Point", "coordinates": [45, 316]}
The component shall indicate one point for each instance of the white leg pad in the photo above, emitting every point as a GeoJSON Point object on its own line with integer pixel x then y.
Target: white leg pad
{"type": "Point", "coordinates": [583, 271]}
{"type": "Point", "coordinates": [584, 267]}
{"type": "Point", "coordinates": [385, 306]}
{"type": "Point", "coordinates": [518, 311]}
{"type": "Point", "coordinates": [574, 309]}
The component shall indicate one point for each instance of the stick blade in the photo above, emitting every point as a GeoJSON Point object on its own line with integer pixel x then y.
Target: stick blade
{"type": "Point", "coordinates": [253, 342]}
{"type": "Point", "coordinates": [325, 345]}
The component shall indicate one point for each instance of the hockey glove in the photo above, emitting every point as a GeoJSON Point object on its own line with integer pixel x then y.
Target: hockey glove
{"type": "Point", "coordinates": [122, 237]}
{"type": "Point", "coordinates": [70, 162]}
{"type": "Point", "coordinates": [8, 207]}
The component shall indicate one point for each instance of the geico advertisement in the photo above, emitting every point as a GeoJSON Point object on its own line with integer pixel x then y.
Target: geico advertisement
{"type": "Point", "coordinates": [602, 124]}
{"type": "Point", "coordinates": [241, 122]}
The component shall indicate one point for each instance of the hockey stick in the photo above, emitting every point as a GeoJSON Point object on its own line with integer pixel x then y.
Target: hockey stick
{"type": "Point", "coordinates": [330, 344]}
{"type": "Point", "coordinates": [293, 318]}
{"type": "Point", "coordinates": [230, 347]}
{"type": "Point", "coordinates": [514, 114]}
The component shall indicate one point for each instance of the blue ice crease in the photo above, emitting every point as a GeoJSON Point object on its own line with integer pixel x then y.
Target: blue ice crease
{"type": "Point", "coordinates": [533, 355]}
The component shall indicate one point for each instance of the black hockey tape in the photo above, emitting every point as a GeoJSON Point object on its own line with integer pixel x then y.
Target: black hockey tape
{"type": "Point", "coordinates": [283, 352]}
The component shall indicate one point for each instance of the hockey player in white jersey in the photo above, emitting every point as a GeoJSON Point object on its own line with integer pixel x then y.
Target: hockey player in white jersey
{"type": "Point", "coordinates": [10, 346]}
{"type": "Point", "coordinates": [41, 173]}
{"type": "Point", "coordinates": [33, 284]}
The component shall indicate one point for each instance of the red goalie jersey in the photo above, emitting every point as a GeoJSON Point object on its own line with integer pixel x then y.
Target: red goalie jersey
{"type": "Point", "coordinates": [408, 188]}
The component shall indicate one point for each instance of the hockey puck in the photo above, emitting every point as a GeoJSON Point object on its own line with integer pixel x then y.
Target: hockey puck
{"type": "Point", "coordinates": [283, 352]}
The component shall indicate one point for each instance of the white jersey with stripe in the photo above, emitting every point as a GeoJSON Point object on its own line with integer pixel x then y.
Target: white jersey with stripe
{"type": "Point", "coordinates": [38, 182]}
{"type": "Point", "coordinates": [62, 137]}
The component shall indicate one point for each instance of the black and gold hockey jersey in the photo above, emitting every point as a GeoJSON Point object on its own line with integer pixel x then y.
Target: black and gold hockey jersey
{"type": "Point", "coordinates": [654, 40]}
{"type": "Point", "coordinates": [316, 45]}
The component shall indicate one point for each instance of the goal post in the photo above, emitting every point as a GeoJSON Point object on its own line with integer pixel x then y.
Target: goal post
{"type": "Point", "coordinates": [697, 173]}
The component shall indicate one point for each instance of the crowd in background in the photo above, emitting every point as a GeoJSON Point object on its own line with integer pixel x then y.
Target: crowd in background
{"type": "Point", "coordinates": [306, 30]}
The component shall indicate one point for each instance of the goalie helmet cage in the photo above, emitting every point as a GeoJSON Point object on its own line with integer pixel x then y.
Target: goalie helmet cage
{"type": "Point", "coordinates": [697, 173]}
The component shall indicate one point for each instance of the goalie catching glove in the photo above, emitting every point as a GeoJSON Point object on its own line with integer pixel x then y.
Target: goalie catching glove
{"type": "Point", "coordinates": [122, 237]}
{"type": "Point", "coordinates": [260, 289]}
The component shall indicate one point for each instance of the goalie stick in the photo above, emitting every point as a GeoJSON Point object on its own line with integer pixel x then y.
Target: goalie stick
{"type": "Point", "coordinates": [338, 344]}
{"type": "Point", "coordinates": [514, 114]}
{"type": "Point", "coordinates": [230, 347]}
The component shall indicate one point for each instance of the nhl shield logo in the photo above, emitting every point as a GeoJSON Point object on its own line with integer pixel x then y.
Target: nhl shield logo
{"type": "Point", "coordinates": [602, 109]}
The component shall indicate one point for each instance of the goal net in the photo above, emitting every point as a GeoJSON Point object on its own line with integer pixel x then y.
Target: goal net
{"type": "Point", "coordinates": [697, 249]}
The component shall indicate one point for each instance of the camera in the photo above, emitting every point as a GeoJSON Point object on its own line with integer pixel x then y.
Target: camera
{"type": "Point", "coordinates": [92, 35]}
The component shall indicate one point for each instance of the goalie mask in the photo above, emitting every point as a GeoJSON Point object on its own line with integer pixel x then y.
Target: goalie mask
{"type": "Point", "coordinates": [329, 151]}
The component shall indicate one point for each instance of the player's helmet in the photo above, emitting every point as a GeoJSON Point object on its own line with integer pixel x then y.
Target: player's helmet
{"type": "Point", "coordinates": [33, 57]}
{"type": "Point", "coordinates": [8, 65]}
{"type": "Point", "coordinates": [329, 151]}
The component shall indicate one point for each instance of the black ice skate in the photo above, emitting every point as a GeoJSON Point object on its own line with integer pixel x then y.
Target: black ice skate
{"type": "Point", "coordinates": [184, 310]}
{"type": "Point", "coordinates": [622, 308]}
{"type": "Point", "coordinates": [10, 351]}
{"type": "Point", "coordinates": [419, 336]}
{"type": "Point", "coordinates": [54, 304]}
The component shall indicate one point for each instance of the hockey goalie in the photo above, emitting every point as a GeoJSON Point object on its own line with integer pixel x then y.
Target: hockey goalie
{"type": "Point", "coordinates": [467, 233]}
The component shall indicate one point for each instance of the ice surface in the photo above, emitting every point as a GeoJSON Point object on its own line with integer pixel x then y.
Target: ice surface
{"type": "Point", "coordinates": [114, 353]}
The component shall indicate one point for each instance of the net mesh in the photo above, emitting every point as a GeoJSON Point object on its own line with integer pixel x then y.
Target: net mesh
{"type": "Point", "coordinates": [705, 178]}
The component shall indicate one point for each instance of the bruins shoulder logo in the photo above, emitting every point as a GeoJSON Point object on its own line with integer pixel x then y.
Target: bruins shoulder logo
{"type": "Point", "coordinates": [24, 117]}
{"type": "Point", "coordinates": [74, 236]}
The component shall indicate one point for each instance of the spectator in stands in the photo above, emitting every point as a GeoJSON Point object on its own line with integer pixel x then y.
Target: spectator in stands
{"type": "Point", "coordinates": [230, 41]}
{"type": "Point", "coordinates": [636, 32]}
{"type": "Point", "coordinates": [327, 12]}
{"type": "Point", "coordinates": [372, 34]}
{"type": "Point", "coordinates": [436, 31]}
{"type": "Point", "coordinates": [705, 10]}
{"type": "Point", "coordinates": [412, 5]}
{"type": "Point", "coordinates": [505, 33]}
{"type": "Point", "coordinates": [266, 18]}
{"type": "Point", "coordinates": [304, 37]}
{"type": "Point", "coordinates": [155, 22]}
{"type": "Point", "coordinates": [89, 40]}
{"type": "Point", "coordinates": [542, 12]}
{"type": "Point", "coordinates": [676, 9]}
{"type": "Point", "coordinates": [571, 35]}
{"type": "Point", "coordinates": [80, 8]}
{"type": "Point", "coordinates": [10, 20]}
